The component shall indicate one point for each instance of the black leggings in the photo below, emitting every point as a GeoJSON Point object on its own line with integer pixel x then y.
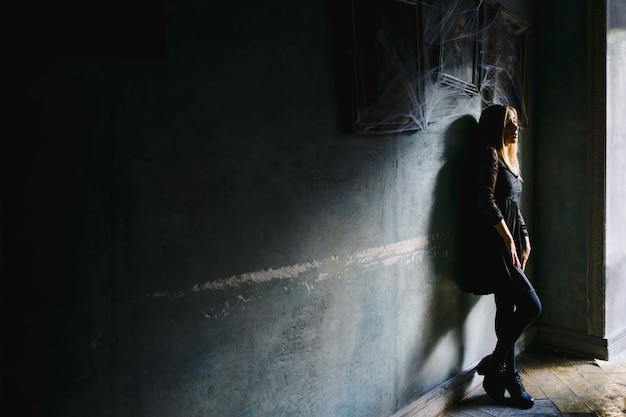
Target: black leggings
{"type": "Point", "coordinates": [515, 310]}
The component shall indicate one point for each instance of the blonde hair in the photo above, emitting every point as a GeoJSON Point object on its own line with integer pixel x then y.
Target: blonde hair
{"type": "Point", "coordinates": [491, 126]}
{"type": "Point", "coordinates": [508, 153]}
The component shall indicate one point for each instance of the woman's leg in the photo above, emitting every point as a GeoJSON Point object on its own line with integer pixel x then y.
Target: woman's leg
{"type": "Point", "coordinates": [505, 309]}
{"type": "Point", "coordinates": [515, 310]}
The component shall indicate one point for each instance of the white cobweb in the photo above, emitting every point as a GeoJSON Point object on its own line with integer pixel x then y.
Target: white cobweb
{"type": "Point", "coordinates": [419, 62]}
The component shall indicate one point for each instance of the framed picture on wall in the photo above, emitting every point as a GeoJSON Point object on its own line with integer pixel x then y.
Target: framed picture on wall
{"type": "Point", "coordinates": [505, 60]}
{"type": "Point", "coordinates": [386, 78]}
{"type": "Point", "coordinates": [458, 57]}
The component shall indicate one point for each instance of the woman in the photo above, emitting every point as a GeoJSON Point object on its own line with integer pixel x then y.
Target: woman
{"type": "Point", "coordinates": [499, 228]}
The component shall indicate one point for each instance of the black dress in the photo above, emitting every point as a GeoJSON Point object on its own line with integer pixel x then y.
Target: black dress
{"type": "Point", "coordinates": [493, 194]}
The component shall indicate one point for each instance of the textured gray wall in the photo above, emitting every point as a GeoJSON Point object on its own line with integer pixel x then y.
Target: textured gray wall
{"type": "Point", "coordinates": [561, 135]}
{"type": "Point", "coordinates": [616, 172]}
{"type": "Point", "coordinates": [275, 265]}
{"type": "Point", "coordinates": [197, 235]}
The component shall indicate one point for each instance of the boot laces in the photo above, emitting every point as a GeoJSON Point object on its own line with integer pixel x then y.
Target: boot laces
{"type": "Point", "coordinates": [517, 380]}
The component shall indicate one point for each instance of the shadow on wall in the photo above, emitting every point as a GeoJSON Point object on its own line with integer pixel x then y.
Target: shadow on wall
{"type": "Point", "coordinates": [450, 305]}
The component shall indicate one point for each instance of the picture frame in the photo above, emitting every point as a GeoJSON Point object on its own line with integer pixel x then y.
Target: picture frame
{"type": "Point", "coordinates": [404, 50]}
{"type": "Point", "coordinates": [459, 45]}
{"type": "Point", "coordinates": [386, 58]}
{"type": "Point", "coordinates": [505, 60]}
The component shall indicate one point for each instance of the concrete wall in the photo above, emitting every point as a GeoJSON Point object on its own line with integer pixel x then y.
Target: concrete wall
{"type": "Point", "coordinates": [192, 231]}
{"type": "Point", "coordinates": [560, 160]}
{"type": "Point", "coordinates": [188, 229]}
{"type": "Point", "coordinates": [579, 197]}
{"type": "Point", "coordinates": [615, 173]}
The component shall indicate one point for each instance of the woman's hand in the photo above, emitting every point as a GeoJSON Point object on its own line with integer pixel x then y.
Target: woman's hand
{"type": "Point", "coordinates": [525, 252]}
{"type": "Point", "coordinates": [510, 245]}
{"type": "Point", "coordinates": [504, 232]}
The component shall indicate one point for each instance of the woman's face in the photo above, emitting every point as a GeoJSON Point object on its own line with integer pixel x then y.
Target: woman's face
{"type": "Point", "coordinates": [511, 128]}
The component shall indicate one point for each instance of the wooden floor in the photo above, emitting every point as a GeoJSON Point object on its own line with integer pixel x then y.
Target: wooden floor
{"type": "Point", "coordinates": [562, 385]}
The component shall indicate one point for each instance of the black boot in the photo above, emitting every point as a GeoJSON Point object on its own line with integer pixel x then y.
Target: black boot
{"type": "Point", "coordinates": [513, 384]}
{"type": "Point", "coordinates": [494, 373]}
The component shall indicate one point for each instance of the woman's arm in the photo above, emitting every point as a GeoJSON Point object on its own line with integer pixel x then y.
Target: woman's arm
{"type": "Point", "coordinates": [526, 248]}
{"type": "Point", "coordinates": [505, 233]}
{"type": "Point", "coordinates": [488, 175]}
{"type": "Point", "coordinates": [525, 252]}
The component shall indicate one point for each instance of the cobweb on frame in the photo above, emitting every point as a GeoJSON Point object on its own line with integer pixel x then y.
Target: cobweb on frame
{"type": "Point", "coordinates": [504, 60]}
{"type": "Point", "coordinates": [428, 61]}
{"type": "Point", "coordinates": [387, 74]}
